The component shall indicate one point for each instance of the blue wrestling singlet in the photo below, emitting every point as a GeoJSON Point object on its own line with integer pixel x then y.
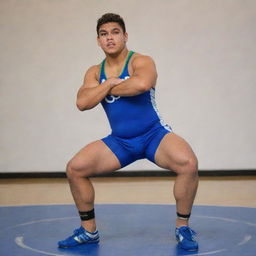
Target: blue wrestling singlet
{"type": "Point", "coordinates": [137, 128]}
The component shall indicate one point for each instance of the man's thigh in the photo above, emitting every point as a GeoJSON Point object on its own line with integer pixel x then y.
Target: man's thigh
{"type": "Point", "coordinates": [173, 152]}
{"type": "Point", "coordinates": [95, 158]}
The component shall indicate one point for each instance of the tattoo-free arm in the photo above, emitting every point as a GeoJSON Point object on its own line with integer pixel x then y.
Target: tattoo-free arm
{"type": "Point", "coordinates": [91, 92]}
{"type": "Point", "coordinates": [143, 78]}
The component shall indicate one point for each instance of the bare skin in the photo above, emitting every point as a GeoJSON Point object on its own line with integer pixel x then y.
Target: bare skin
{"type": "Point", "coordinates": [173, 153]}
{"type": "Point", "coordinates": [95, 158]}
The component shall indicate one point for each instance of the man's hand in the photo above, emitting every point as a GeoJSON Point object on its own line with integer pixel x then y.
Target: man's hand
{"type": "Point", "coordinates": [91, 92]}
{"type": "Point", "coordinates": [142, 79]}
{"type": "Point", "coordinates": [113, 81]}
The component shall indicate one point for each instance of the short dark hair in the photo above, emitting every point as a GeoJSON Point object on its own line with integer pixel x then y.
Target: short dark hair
{"type": "Point", "coordinates": [110, 17]}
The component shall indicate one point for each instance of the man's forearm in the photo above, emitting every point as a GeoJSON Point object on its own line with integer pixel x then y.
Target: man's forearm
{"type": "Point", "coordinates": [88, 98]}
{"type": "Point", "coordinates": [130, 87]}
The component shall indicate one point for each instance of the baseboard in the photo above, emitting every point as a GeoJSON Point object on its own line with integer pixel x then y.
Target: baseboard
{"type": "Point", "coordinates": [164, 173]}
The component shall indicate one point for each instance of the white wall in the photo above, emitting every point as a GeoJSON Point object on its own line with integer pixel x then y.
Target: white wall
{"type": "Point", "coordinates": [206, 58]}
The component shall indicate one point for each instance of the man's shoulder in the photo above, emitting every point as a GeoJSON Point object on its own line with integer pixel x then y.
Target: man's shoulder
{"type": "Point", "coordinates": [93, 71]}
{"type": "Point", "coordinates": [139, 58]}
{"type": "Point", "coordinates": [94, 68]}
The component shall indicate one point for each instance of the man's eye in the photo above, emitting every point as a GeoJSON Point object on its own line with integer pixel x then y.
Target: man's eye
{"type": "Point", "coordinates": [103, 34]}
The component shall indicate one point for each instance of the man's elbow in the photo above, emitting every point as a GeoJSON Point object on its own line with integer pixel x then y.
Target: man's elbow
{"type": "Point", "coordinates": [81, 105]}
{"type": "Point", "coordinates": [146, 86]}
{"type": "Point", "coordinates": [146, 83]}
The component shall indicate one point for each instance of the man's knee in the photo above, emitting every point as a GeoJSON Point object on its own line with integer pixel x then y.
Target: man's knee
{"type": "Point", "coordinates": [77, 168]}
{"type": "Point", "coordinates": [189, 166]}
{"type": "Point", "coordinates": [193, 165]}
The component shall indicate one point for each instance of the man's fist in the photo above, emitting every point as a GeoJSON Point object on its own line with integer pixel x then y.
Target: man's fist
{"type": "Point", "coordinates": [113, 81]}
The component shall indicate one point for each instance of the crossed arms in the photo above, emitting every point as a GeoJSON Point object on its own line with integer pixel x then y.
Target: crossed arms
{"type": "Point", "coordinates": [143, 79]}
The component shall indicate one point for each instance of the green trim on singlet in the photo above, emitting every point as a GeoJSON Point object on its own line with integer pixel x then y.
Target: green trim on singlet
{"type": "Point", "coordinates": [102, 68]}
{"type": "Point", "coordinates": [127, 61]}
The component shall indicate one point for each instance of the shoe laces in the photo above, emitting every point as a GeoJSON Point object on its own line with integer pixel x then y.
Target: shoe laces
{"type": "Point", "coordinates": [78, 231]}
{"type": "Point", "coordinates": [189, 233]}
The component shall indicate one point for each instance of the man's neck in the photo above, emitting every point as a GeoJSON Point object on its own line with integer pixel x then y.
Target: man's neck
{"type": "Point", "coordinates": [117, 59]}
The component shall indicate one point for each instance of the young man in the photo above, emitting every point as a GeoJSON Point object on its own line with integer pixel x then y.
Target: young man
{"type": "Point", "coordinates": [124, 83]}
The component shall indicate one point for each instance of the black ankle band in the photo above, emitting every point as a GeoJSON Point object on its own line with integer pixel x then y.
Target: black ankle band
{"type": "Point", "coordinates": [183, 216]}
{"type": "Point", "coordinates": [87, 215]}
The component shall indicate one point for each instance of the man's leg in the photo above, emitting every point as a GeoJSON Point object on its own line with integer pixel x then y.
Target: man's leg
{"type": "Point", "coordinates": [95, 158]}
{"type": "Point", "coordinates": [175, 154]}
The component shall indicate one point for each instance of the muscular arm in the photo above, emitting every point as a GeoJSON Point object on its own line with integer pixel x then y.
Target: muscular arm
{"type": "Point", "coordinates": [143, 78]}
{"type": "Point", "coordinates": [91, 92]}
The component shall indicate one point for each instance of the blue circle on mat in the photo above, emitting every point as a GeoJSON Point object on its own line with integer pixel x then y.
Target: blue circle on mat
{"type": "Point", "coordinates": [127, 230]}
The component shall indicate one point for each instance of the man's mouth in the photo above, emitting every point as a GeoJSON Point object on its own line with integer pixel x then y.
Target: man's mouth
{"type": "Point", "coordinates": [110, 44]}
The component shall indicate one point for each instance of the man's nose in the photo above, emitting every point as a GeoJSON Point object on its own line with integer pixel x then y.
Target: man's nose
{"type": "Point", "coordinates": [109, 36]}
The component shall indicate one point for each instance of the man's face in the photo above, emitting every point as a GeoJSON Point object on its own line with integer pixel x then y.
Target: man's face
{"type": "Point", "coordinates": [111, 38]}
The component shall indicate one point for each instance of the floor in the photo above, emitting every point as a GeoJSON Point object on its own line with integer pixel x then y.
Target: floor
{"type": "Point", "coordinates": [36, 213]}
{"type": "Point", "coordinates": [220, 191]}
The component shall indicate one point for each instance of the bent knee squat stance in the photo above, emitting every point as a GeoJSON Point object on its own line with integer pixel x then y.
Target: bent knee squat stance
{"type": "Point", "coordinates": [175, 154]}
{"type": "Point", "coordinates": [125, 83]}
{"type": "Point", "coordinates": [95, 158]}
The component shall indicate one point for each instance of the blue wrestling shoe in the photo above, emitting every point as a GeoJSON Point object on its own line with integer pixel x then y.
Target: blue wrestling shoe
{"type": "Point", "coordinates": [186, 238]}
{"type": "Point", "coordinates": [80, 236]}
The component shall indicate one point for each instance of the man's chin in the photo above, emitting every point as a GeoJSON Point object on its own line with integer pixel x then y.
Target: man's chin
{"type": "Point", "coordinates": [112, 52]}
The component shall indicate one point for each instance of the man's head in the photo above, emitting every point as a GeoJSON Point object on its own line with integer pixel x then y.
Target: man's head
{"type": "Point", "coordinates": [112, 36]}
{"type": "Point", "coordinates": [110, 17]}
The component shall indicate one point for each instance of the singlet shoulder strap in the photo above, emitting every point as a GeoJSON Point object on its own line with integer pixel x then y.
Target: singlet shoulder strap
{"type": "Point", "coordinates": [128, 59]}
{"type": "Point", "coordinates": [102, 69]}
{"type": "Point", "coordinates": [102, 66]}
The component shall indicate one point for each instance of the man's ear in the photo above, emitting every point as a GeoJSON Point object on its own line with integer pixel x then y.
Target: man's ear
{"type": "Point", "coordinates": [98, 41]}
{"type": "Point", "coordinates": [126, 36]}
